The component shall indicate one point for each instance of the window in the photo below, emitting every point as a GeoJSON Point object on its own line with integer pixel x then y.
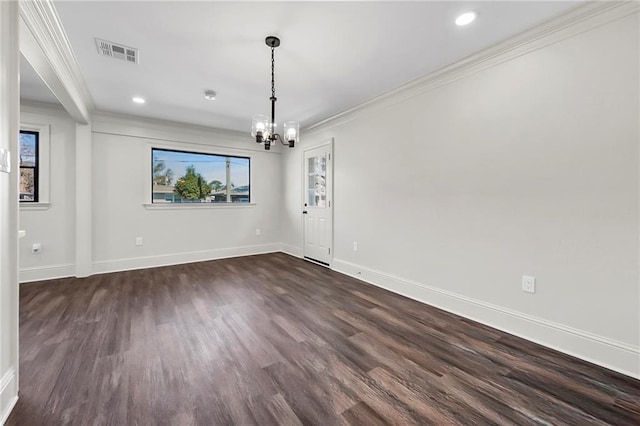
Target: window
{"type": "Point", "coordinates": [192, 177]}
{"type": "Point", "coordinates": [29, 141]}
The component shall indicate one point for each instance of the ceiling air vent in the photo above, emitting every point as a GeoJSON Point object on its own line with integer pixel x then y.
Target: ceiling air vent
{"type": "Point", "coordinates": [117, 51]}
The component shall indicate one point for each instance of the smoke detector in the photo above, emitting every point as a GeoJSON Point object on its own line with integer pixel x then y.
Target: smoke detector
{"type": "Point", "coordinates": [118, 51]}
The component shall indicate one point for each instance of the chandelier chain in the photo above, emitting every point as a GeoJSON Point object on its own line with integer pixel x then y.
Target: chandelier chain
{"type": "Point", "coordinates": [273, 66]}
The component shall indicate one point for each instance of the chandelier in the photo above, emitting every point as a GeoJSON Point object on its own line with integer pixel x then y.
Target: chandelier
{"type": "Point", "coordinates": [263, 128]}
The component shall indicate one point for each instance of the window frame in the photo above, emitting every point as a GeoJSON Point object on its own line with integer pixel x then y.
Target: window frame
{"type": "Point", "coordinates": [182, 205]}
{"type": "Point", "coordinates": [44, 170]}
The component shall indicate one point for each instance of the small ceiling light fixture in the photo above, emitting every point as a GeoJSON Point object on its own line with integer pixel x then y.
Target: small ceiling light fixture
{"type": "Point", "coordinates": [263, 129]}
{"type": "Point", "coordinates": [466, 18]}
{"type": "Point", "coordinates": [138, 100]}
{"type": "Point", "coordinates": [210, 95]}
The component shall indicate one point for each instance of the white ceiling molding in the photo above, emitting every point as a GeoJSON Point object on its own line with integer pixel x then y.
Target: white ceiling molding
{"type": "Point", "coordinates": [37, 107]}
{"type": "Point", "coordinates": [160, 130]}
{"type": "Point", "coordinates": [44, 44]}
{"type": "Point", "coordinates": [583, 18]}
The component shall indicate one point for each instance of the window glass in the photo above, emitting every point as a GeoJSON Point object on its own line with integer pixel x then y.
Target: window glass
{"type": "Point", "coordinates": [29, 166]}
{"type": "Point", "coordinates": [192, 177]}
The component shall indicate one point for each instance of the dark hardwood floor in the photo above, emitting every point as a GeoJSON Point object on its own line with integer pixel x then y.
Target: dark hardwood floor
{"type": "Point", "coordinates": [272, 339]}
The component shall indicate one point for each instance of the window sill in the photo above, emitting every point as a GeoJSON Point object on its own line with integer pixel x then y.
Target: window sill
{"type": "Point", "coordinates": [196, 206]}
{"type": "Point", "coordinates": [34, 206]}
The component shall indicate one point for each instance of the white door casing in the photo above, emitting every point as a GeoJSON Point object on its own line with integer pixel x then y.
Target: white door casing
{"type": "Point", "coordinates": [318, 203]}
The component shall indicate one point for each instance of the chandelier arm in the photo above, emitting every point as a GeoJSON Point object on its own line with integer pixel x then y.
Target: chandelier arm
{"type": "Point", "coordinates": [277, 137]}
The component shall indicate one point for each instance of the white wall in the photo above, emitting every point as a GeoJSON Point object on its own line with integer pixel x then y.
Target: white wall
{"type": "Point", "coordinates": [52, 225]}
{"type": "Point", "coordinates": [528, 167]}
{"type": "Point", "coordinates": [121, 185]}
{"type": "Point", "coordinates": [9, 121]}
{"type": "Point", "coordinates": [120, 182]}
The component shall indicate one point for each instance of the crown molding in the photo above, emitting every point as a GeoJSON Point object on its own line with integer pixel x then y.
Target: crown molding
{"type": "Point", "coordinates": [575, 21]}
{"type": "Point", "coordinates": [40, 107]}
{"type": "Point", "coordinates": [173, 131]}
{"type": "Point", "coordinates": [45, 45]}
{"type": "Point", "coordinates": [125, 124]}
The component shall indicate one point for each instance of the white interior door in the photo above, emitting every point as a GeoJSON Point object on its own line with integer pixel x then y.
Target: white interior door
{"type": "Point", "coordinates": [318, 210]}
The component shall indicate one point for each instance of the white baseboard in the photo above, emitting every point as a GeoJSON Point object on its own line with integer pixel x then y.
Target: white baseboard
{"type": "Point", "coordinates": [106, 266]}
{"type": "Point", "coordinates": [27, 275]}
{"type": "Point", "coordinates": [8, 394]}
{"type": "Point", "coordinates": [291, 250]}
{"type": "Point", "coordinates": [608, 353]}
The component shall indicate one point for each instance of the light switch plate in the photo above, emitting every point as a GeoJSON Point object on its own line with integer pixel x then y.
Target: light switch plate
{"type": "Point", "coordinates": [5, 160]}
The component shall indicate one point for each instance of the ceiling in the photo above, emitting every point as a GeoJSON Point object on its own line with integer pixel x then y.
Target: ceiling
{"type": "Point", "coordinates": [333, 56]}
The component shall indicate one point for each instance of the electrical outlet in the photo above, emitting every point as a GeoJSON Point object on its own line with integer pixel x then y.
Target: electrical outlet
{"type": "Point", "coordinates": [36, 248]}
{"type": "Point", "coordinates": [528, 284]}
{"type": "Point", "coordinates": [138, 241]}
{"type": "Point", "coordinates": [355, 246]}
{"type": "Point", "coordinates": [258, 232]}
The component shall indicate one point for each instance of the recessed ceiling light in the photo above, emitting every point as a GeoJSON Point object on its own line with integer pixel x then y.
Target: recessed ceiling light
{"type": "Point", "coordinates": [466, 18]}
{"type": "Point", "coordinates": [210, 95]}
{"type": "Point", "coordinates": [138, 100]}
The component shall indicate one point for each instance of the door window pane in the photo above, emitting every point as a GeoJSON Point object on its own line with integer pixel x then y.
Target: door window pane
{"type": "Point", "coordinates": [317, 181]}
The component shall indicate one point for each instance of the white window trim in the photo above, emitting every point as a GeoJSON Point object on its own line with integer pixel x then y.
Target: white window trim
{"type": "Point", "coordinates": [196, 206]}
{"type": "Point", "coordinates": [148, 195]}
{"type": "Point", "coordinates": [44, 166]}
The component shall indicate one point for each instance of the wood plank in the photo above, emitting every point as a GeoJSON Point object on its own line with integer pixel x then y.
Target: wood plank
{"type": "Point", "coordinates": [272, 339]}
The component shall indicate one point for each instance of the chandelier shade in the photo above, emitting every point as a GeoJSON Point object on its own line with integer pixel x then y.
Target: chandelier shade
{"type": "Point", "coordinates": [291, 132]}
{"type": "Point", "coordinates": [259, 126]}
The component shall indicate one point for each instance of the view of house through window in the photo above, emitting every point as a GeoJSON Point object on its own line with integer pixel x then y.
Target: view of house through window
{"type": "Point", "coordinates": [191, 177]}
{"type": "Point", "coordinates": [28, 166]}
